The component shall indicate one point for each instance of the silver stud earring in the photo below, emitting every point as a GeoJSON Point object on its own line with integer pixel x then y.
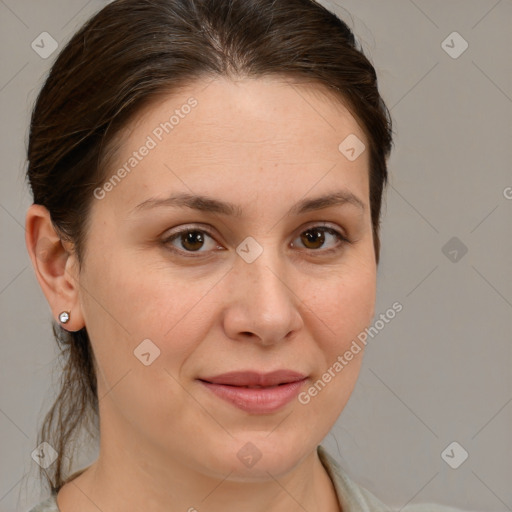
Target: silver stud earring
{"type": "Point", "coordinates": [64, 317]}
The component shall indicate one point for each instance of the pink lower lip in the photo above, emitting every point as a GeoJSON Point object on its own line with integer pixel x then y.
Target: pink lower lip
{"type": "Point", "coordinates": [257, 400]}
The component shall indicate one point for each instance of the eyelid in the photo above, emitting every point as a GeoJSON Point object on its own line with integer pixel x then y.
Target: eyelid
{"type": "Point", "coordinates": [326, 225]}
{"type": "Point", "coordinates": [207, 229]}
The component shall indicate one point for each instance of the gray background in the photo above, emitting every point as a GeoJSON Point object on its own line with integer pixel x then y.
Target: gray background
{"type": "Point", "coordinates": [441, 370]}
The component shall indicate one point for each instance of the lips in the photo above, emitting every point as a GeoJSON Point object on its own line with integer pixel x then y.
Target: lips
{"type": "Point", "coordinates": [256, 393]}
{"type": "Point", "coordinates": [255, 379]}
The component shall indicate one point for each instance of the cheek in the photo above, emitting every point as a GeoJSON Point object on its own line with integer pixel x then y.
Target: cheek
{"type": "Point", "coordinates": [341, 310]}
{"type": "Point", "coordinates": [344, 305]}
{"type": "Point", "coordinates": [125, 305]}
{"type": "Point", "coordinates": [128, 308]}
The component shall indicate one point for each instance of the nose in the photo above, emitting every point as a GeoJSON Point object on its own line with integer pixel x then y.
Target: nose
{"type": "Point", "coordinates": [262, 305]}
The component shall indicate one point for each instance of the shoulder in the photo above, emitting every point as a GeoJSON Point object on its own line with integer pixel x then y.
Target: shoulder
{"type": "Point", "coordinates": [432, 507]}
{"type": "Point", "coordinates": [355, 498]}
{"type": "Point", "coordinates": [48, 505]}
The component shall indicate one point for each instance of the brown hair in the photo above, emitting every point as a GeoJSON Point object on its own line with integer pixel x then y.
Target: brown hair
{"type": "Point", "coordinates": [135, 50]}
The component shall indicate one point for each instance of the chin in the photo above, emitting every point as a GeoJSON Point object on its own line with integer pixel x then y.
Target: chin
{"type": "Point", "coordinates": [258, 456]}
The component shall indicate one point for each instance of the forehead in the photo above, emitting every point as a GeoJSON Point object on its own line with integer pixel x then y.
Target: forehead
{"type": "Point", "coordinates": [260, 134]}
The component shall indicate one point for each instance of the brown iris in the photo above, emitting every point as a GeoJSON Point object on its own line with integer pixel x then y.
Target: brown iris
{"type": "Point", "coordinates": [192, 240]}
{"type": "Point", "coordinates": [314, 236]}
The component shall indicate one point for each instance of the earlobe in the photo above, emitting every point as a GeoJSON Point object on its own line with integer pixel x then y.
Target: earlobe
{"type": "Point", "coordinates": [55, 267]}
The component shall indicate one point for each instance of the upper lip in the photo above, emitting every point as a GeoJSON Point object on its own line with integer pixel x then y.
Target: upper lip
{"type": "Point", "coordinates": [252, 378]}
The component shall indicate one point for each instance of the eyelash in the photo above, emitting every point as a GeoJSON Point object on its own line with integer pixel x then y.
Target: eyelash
{"type": "Point", "coordinates": [198, 254]}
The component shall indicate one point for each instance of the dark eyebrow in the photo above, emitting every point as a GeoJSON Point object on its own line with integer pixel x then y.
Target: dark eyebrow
{"type": "Point", "coordinates": [207, 204]}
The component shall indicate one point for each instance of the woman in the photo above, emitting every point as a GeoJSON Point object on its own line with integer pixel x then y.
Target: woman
{"type": "Point", "coordinates": [207, 180]}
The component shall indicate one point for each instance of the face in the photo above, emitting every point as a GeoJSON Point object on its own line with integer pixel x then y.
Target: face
{"type": "Point", "coordinates": [255, 277]}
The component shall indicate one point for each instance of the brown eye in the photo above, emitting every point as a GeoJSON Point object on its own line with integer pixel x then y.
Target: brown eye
{"type": "Point", "coordinates": [315, 238]}
{"type": "Point", "coordinates": [190, 240]}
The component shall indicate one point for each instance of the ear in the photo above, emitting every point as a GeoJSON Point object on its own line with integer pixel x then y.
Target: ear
{"type": "Point", "coordinates": [55, 265]}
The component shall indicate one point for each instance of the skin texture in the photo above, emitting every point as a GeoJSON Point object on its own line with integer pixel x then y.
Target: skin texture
{"type": "Point", "coordinates": [168, 443]}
